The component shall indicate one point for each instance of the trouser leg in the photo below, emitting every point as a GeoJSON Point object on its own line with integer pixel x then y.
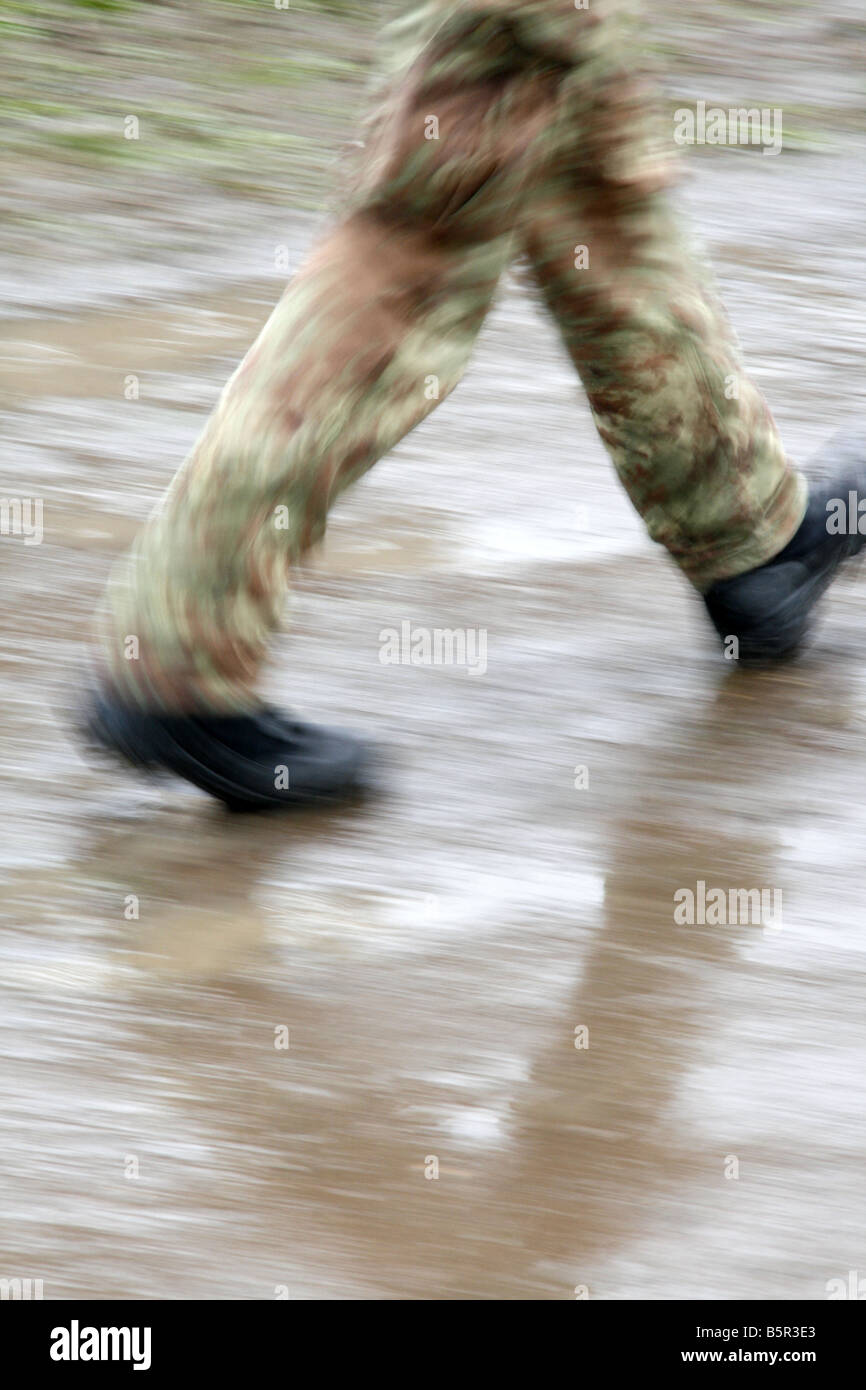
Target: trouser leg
{"type": "Point", "coordinates": [690, 435]}
{"type": "Point", "coordinates": [374, 329]}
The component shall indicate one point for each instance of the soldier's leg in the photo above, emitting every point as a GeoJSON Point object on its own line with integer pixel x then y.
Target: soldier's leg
{"type": "Point", "coordinates": [391, 300]}
{"type": "Point", "coordinates": [689, 434]}
{"type": "Point", "coordinates": [340, 373]}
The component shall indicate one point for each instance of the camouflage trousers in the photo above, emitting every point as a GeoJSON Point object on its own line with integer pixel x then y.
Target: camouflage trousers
{"type": "Point", "coordinates": [504, 129]}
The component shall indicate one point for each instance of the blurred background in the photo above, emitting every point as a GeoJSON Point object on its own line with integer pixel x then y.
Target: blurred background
{"type": "Point", "coordinates": [451, 1044]}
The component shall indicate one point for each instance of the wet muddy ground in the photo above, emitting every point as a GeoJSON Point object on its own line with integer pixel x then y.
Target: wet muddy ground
{"type": "Point", "coordinates": [432, 1130]}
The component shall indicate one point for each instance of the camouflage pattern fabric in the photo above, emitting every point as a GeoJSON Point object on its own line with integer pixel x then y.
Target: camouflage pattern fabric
{"type": "Point", "coordinates": [505, 128]}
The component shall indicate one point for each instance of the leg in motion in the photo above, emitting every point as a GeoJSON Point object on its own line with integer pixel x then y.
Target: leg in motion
{"type": "Point", "coordinates": [691, 437]}
{"type": "Point", "coordinates": [394, 295]}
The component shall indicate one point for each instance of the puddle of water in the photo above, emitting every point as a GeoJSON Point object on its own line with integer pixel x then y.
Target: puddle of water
{"type": "Point", "coordinates": [450, 1044]}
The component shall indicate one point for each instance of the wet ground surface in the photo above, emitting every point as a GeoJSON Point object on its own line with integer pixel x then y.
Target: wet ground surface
{"type": "Point", "coordinates": [432, 1129]}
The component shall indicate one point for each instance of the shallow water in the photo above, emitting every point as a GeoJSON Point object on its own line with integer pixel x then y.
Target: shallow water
{"type": "Point", "coordinates": [436, 953]}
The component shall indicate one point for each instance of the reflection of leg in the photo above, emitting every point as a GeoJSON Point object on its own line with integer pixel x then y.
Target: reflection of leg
{"type": "Point", "coordinates": [690, 436]}
{"type": "Point", "coordinates": [596, 1160]}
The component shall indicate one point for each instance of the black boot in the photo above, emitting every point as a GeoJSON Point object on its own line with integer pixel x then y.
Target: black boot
{"type": "Point", "coordinates": [252, 762]}
{"type": "Point", "coordinates": [768, 609]}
